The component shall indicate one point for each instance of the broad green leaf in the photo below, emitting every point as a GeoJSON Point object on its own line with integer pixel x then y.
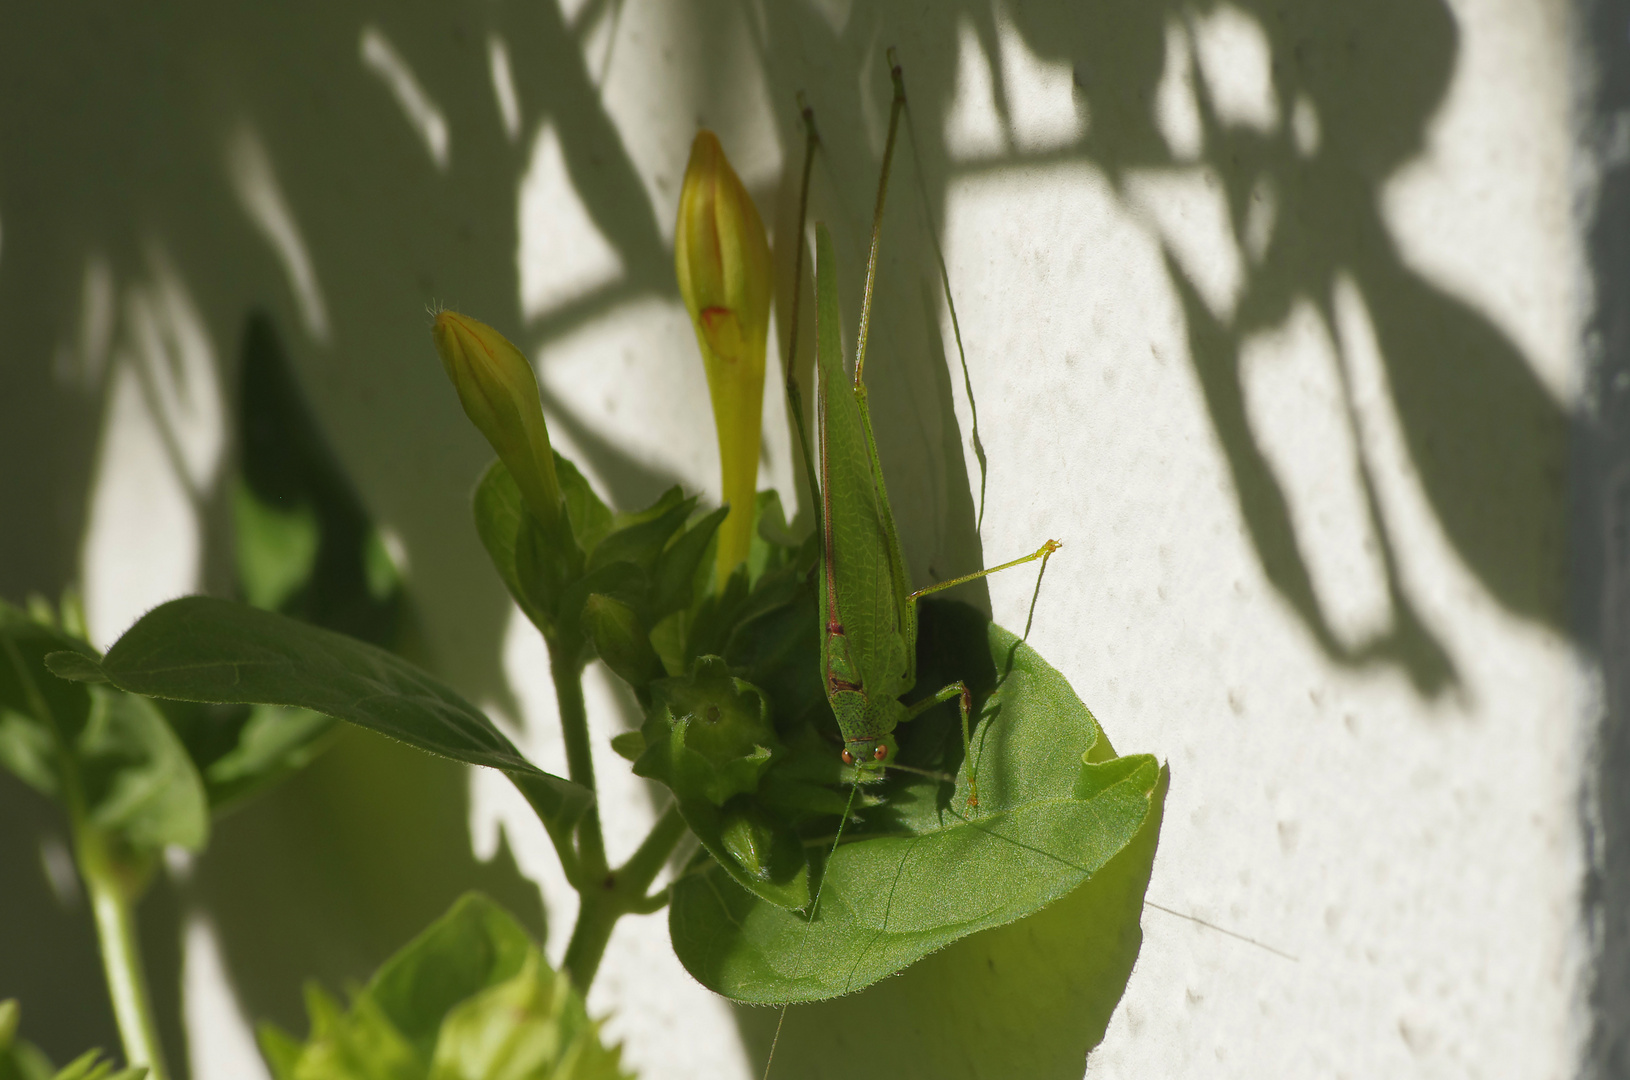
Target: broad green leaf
{"type": "Point", "coordinates": [950, 870]}
{"type": "Point", "coordinates": [305, 547]}
{"type": "Point", "coordinates": [1029, 999]}
{"type": "Point", "coordinates": [202, 649]}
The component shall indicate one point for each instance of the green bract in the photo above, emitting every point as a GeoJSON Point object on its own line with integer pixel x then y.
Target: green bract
{"type": "Point", "coordinates": [471, 998]}
{"type": "Point", "coordinates": [20, 1060]}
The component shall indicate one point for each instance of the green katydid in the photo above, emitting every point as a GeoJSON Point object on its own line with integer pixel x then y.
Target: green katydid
{"type": "Point", "coordinates": [868, 613]}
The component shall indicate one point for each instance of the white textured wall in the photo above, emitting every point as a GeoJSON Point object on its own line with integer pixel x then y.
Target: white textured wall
{"type": "Point", "coordinates": [1371, 860]}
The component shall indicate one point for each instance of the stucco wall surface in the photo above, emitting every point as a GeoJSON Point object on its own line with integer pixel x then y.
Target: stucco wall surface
{"type": "Point", "coordinates": [1272, 316]}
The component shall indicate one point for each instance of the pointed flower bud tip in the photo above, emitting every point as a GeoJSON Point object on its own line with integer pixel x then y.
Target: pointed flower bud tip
{"type": "Point", "coordinates": [499, 392]}
{"type": "Point", "coordinates": [722, 260]}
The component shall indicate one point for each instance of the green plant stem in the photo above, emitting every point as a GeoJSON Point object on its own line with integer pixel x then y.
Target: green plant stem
{"type": "Point", "coordinates": [605, 895]}
{"type": "Point", "coordinates": [111, 897]}
{"type": "Point", "coordinates": [618, 893]}
{"type": "Point", "coordinates": [574, 725]}
{"type": "Point", "coordinates": [112, 888]}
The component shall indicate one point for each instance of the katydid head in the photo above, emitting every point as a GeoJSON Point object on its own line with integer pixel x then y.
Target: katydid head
{"type": "Point", "coordinates": [870, 756]}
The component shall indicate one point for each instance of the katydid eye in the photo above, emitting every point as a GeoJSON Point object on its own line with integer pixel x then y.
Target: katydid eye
{"type": "Point", "coordinates": [880, 753]}
{"type": "Point", "coordinates": [848, 758]}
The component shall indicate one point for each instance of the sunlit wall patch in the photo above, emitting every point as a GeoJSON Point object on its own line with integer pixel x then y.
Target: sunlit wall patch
{"type": "Point", "coordinates": [249, 167]}
{"type": "Point", "coordinates": [380, 57]}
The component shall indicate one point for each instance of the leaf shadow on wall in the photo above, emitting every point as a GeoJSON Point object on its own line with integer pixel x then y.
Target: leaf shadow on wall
{"type": "Point", "coordinates": [388, 231]}
{"type": "Point", "coordinates": [1482, 434]}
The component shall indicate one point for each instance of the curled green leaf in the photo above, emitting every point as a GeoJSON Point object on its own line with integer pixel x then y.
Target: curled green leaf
{"type": "Point", "coordinates": [1056, 806]}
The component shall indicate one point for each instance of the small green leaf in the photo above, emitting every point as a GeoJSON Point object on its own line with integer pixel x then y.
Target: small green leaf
{"type": "Point", "coordinates": [629, 745]}
{"type": "Point", "coordinates": [19, 1060]}
{"type": "Point", "coordinates": [639, 538]}
{"type": "Point", "coordinates": [280, 1049]}
{"type": "Point", "coordinates": [139, 781]}
{"type": "Point", "coordinates": [136, 777]}
{"type": "Point", "coordinates": [683, 562]}
{"type": "Point", "coordinates": [27, 689]}
{"type": "Point", "coordinates": [201, 649]}
{"type": "Point", "coordinates": [27, 749]}
{"type": "Point", "coordinates": [273, 741]}
{"type": "Point", "coordinates": [91, 1066]}
{"type": "Point", "coordinates": [75, 667]}
{"type": "Point", "coordinates": [621, 641]}
{"type": "Point", "coordinates": [357, 1045]}
{"type": "Point", "coordinates": [500, 518]}
{"type": "Point", "coordinates": [591, 518]}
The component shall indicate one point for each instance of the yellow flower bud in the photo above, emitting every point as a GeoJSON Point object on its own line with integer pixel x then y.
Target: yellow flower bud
{"type": "Point", "coordinates": [500, 396]}
{"type": "Point", "coordinates": [722, 259]}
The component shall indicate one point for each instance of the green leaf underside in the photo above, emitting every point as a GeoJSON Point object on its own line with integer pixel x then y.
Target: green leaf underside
{"type": "Point", "coordinates": [203, 649]}
{"type": "Point", "coordinates": [919, 869]}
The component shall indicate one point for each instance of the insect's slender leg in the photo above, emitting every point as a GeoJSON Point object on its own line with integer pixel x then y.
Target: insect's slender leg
{"type": "Point", "coordinates": [958, 690]}
{"type": "Point", "coordinates": [877, 214]}
{"type": "Point", "coordinates": [1043, 553]}
{"type": "Point", "coordinates": [950, 306]}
